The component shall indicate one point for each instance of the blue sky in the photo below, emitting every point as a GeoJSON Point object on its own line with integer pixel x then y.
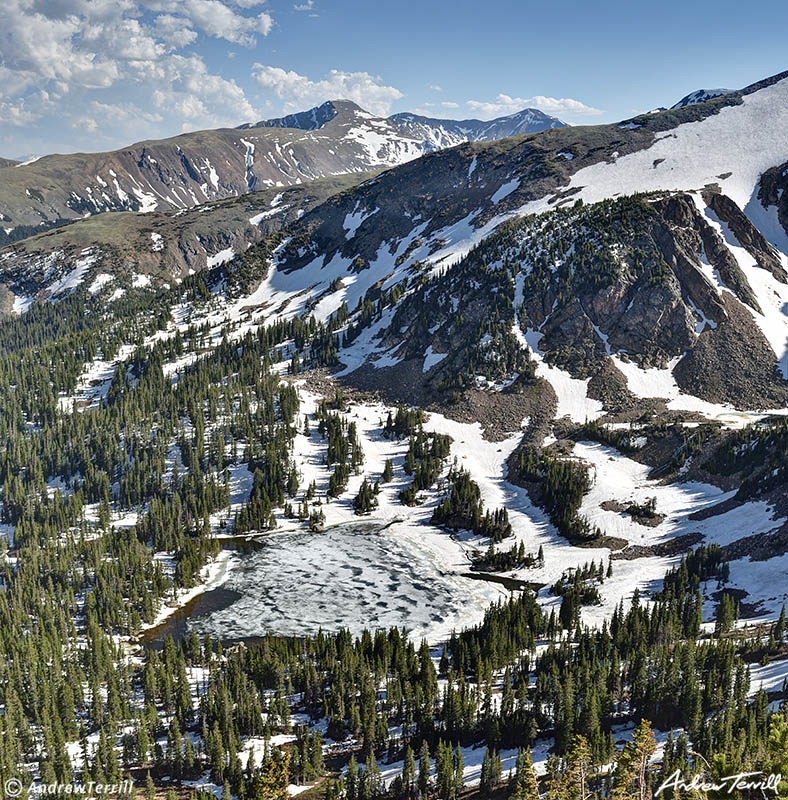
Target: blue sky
{"type": "Point", "coordinates": [98, 74]}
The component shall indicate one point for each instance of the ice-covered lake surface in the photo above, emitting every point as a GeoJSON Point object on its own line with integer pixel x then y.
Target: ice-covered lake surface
{"type": "Point", "coordinates": [355, 576]}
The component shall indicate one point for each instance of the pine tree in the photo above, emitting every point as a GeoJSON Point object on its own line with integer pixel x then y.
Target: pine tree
{"type": "Point", "coordinates": [779, 627]}
{"type": "Point", "coordinates": [409, 772]}
{"type": "Point", "coordinates": [557, 782]}
{"type": "Point", "coordinates": [631, 772]}
{"type": "Point", "coordinates": [778, 749]}
{"type": "Point", "coordinates": [459, 771]}
{"type": "Point", "coordinates": [372, 779]}
{"type": "Point", "coordinates": [526, 784]}
{"type": "Point", "coordinates": [579, 761]}
{"type": "Point", "coordinates": [351, 779]}
{"type": "Point", "coordinates": [424, 770]}
{"type": "Point", "coordinates": [150, 789]}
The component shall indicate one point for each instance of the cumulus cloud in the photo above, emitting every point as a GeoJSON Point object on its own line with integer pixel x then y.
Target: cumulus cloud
{"type": "Point", "coordinates": [37, 49]}
{"type": "Point", "coordinates": [220, 21]}
{"type": "Point", "coordinates": [298, 91]}
{"type": "Point", "coordinates": [309, 5]}
{"type": "Point", "coordinates": [176, 32]}
{"type": "Point", "coordinates": [95, 66]}
{"type": "Point", "coordinates": [200, 98]}
{"type": "Point", "coordinates": [17, 113]}
{"type": "Point", "coordinates": [504, 104]}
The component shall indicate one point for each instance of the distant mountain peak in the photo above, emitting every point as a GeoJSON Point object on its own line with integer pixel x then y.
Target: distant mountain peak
{"type": "Point", "coordinates": [313, 118]}
{"type": "Point", "coordinates": [440, 133]}
{"type": "Point", "coordinates": [435, 133]}
{"type": "Point", "coordinates": [700, 96]}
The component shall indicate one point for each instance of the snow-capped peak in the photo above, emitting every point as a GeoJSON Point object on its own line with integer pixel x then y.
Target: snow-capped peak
{"type": "Point", "coordinates": [700, 96]}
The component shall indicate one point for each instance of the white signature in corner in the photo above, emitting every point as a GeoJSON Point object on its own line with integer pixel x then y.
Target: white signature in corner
{"type": "Point", "coordinates": [742, 782]}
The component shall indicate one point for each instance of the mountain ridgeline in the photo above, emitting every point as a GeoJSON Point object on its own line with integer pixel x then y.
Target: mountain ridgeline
{"type": "Point", "coordinates": [195, 168]}
{"type": "Point", "coordinates": [683, 279]}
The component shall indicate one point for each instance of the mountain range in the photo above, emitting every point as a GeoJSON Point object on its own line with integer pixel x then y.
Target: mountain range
{"type": "Point", "coordinates": [679, 292]}
{"type": "Point", "coordinates": [335, 138]}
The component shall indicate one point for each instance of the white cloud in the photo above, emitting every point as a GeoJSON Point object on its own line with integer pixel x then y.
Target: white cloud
{"type": "Point", "coordinates": [17, 113]}
{"type": "Point", "coordinates": [121, 112]}
{"type": "Point", "coordinates": [309, 5]}
{"type": "Point", "coordinates": [504, 104]}
{"type": "Point", "coordinates": [220, 21]}
{"type": "Point", "coordinates": [175, 31]}
{"type": "Point", "coordinates": [201, 99]}
{"type": "Point", "coordinates": [37, 49]}
{"type": "Point", "coordinates": [298, 91]}
{"type": "Point", "coordinates": [450, 104]}
{"type": "Point", "coordinates": [435, 87]}
{"type": "Point", "coordinates": [109, 70]}
{"type": "Point", "coordinates": [94, 44]}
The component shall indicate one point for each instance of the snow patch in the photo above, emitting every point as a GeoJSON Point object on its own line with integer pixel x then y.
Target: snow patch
{"type": "Point", "coordinates": [505, 190]}
{"type": "Point", "coordinates": [220, 258]}
{"type": "Point", "coordinates": [99, 282]}
{"type": "Point", "coordinates": [431, 359]}
{"type": "Point", "coordinates": [354, 220]}
{"type": "Point", "coordinates": [141, 281]}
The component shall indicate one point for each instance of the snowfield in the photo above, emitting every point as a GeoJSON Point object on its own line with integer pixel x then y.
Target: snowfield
{"type": "Point", "coordinates": [697, 154]}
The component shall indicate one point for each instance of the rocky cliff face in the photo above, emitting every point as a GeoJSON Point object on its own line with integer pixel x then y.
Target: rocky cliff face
{"type": "Point", "coordinates": [633, 296]}
{"type": "Point", "coordinates": [309, 120]}
{"type": "Point", "coordinates": [647, 283]}
{"type": "Point", "coordinates": [700, 96]}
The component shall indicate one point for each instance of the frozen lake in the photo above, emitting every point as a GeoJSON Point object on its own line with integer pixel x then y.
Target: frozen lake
{"type": "Point", "coordinates": [354, 575]}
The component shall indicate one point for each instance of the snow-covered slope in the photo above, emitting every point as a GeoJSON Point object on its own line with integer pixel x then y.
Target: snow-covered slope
{"type": "Point", "coordinates": [435, 133]}
{"type": "Point", "coordinates": [731, 148]}
{"type": "Point", "coordinates": [166, 245]}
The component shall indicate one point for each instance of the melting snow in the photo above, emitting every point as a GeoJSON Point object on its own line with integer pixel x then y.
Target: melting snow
{"type": "Point", "coordinates": [655, 382]}
{"type": "Point", "coordinates": [271, 212]}
{"type": "Point", "coordinates": [99, 282]}
{"type": "Point", "coordinates": [772, 295]}
{"type": "Point", "coordinates": [141, 281]}
{"type": "Point", "coordinates": [431, 359]}
{"type": "Point", "coordinates": [22, 303]}
{"type": "Point", "coordinates": [571, 393]}
{"type": "Point", "coordinates": [354, 219]}
{"type": "Point", "coordinates": [695, 154]}
{"type": "Point", "coordinates": [74, 277]}
{"type": "Point", "coordinates": [505, 190]}
{"type": "Point", "coordinates": [220, 258]}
